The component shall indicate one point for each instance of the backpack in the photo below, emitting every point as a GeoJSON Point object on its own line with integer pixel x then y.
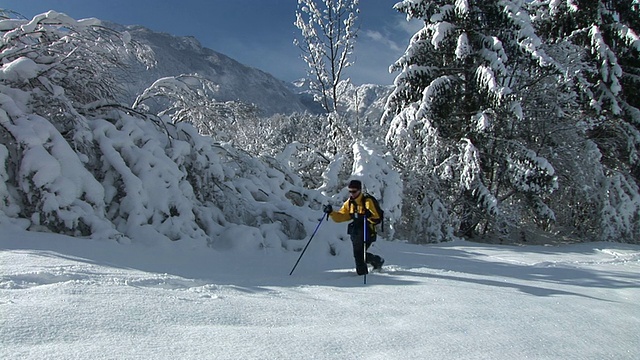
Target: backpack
{"type": "Point", "coordinates": [378, 209]}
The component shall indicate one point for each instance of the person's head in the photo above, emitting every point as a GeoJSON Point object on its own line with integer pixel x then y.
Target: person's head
{"type": "Point", "coordinates": [355, 187]}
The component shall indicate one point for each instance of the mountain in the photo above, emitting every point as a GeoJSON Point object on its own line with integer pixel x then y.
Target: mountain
{"type": "Point", "coordinates": [366, 101]}
{"type": "Point", "coordinates": [358, 101]}
{"type": "Point", "coordinates": [177, 55]}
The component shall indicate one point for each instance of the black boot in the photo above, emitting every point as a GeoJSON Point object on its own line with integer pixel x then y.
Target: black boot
{"type": "Point", "coordinates": [362, 269]}
{"type": "Point", "coordinates": [376, 261]}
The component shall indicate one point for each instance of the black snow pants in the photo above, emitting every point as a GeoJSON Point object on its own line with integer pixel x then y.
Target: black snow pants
{"type": "Point", "coordinates": [360, 247]}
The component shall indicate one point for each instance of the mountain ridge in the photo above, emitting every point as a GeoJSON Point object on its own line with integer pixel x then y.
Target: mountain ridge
{"type": "Point", "coordinates": [177, 55]}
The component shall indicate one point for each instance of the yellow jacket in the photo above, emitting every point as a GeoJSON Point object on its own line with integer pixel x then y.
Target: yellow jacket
{"type": "Point", "coordinates": [350, 208]}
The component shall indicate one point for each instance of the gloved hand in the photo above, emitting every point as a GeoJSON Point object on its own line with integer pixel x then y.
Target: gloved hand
{"type": "Point", "coordinates": [327, 209]}
{"type": "Point", "coordinates": [368, 213]}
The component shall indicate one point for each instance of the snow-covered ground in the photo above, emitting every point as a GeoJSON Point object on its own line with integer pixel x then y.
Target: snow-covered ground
{"type": "Point", "coordinates": [70, 298]}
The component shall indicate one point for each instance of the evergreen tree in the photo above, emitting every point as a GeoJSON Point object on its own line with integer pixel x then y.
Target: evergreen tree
{"type": "Point", "coordinates": [456, 113]}
{"type": "Point", "coordinates": [598, 45]}
{"type": "Point", "coordinates": [609, 80]}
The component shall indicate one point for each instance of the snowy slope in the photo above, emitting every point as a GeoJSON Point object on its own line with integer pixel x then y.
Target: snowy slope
{"type": "Point", "coordinates": [71, 298]}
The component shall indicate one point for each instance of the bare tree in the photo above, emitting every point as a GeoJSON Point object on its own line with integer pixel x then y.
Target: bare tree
{"type": "Point", "coordinates": [328, 37]}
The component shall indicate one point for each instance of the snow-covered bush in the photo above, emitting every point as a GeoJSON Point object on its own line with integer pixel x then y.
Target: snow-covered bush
{"type": "Point", "coordinates": [76, 162]}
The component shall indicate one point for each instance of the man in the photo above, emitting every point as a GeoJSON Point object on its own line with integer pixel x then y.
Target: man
{"type": "Point", "coordinates": [358, 208]}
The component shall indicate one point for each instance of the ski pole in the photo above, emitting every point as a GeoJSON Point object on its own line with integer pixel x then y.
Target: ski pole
{"type": "Point", "coordinates": [364, 246]}
{"type": "Point", "coordinates": [308, 242]}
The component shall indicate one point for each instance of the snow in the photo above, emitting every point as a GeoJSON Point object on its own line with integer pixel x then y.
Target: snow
{"type": "Point", "coordinates": [223, 289]}
{"type": "Point", "coordinates": [20, 70]}
{"type": "Point", "coordinates": [464, 48]}
{"type": "Point", "coordinates": [440, 31]}
{"type": "Point", "coordinates": [77, 298]}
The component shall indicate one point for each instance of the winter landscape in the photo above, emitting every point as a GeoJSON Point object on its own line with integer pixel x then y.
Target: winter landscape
{"type": "Point", "coordinates": [68, 298]}
{"type": "Point", "coordinates": [156, 194]}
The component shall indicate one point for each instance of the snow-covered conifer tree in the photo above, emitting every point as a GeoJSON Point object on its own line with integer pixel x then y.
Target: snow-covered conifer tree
{"type": "Point", "coordinates": [609, 79]}
{"type": "Point", "coordinates": [456, 113]}
{"type": "Point", "coordinates": [598, 44]}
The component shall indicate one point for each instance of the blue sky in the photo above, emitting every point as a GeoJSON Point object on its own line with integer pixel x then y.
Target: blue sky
{"type": "Point", "coordinates": [258, 33]}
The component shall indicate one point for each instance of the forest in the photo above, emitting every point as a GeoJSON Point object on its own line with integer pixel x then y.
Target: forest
{"type": "Point", "coordinates": [507, 120]}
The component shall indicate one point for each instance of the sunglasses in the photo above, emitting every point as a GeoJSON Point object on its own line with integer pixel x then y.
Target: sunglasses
{"type": "Point", "coordinates": [353, 191]}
